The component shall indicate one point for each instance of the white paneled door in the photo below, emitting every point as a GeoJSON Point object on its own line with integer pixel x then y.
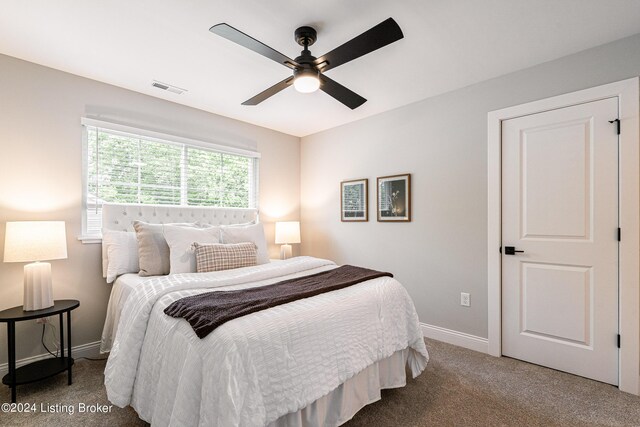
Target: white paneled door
{"type": "Point", "coordinates": [560, 239]}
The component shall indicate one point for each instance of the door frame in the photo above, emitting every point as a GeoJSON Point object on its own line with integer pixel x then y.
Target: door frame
{"type": "Point", "coordinates": [628, 93]}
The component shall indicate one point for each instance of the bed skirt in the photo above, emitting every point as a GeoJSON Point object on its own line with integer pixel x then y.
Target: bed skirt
{"type": "Point", "coordinates": [340, 405]}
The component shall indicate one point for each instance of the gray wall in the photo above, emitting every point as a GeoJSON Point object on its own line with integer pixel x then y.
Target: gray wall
{"type": "Point", "coordinates": [41, 169]}
{"type": "Point", "coordinates": [442, 142]}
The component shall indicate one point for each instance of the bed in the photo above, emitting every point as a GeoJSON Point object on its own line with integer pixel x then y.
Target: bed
{"type": "Point", "coordinates": [311, 362]}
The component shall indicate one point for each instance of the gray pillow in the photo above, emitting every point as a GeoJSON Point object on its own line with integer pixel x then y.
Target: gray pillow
{"type": "Point", "coordinates": [153, 251]}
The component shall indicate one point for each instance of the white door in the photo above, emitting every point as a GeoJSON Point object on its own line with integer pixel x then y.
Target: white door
{"type": "Point", "coordinates": [560, 208]}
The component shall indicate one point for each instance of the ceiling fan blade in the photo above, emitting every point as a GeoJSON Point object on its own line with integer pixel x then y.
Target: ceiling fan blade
{"type": "Point", "coordinates": [341, 93]}
{"type": "Point", "coordinates": [269, 92]}
{"type": "Point", "coordinates": [237, 36]}
{"type": "Point", "coordinates": [379, 36]}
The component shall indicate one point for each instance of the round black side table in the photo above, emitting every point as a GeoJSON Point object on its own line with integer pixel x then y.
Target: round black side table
{"type": "Point", "coordinates": [41, 369]}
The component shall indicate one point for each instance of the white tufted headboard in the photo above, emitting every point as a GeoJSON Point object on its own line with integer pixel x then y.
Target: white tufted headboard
{"type": "Point", "coordinates": [120, 217]}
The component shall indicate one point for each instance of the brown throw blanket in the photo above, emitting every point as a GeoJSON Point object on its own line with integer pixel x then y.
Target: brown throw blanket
{"type": "Point", "coordinates": [205, 312]}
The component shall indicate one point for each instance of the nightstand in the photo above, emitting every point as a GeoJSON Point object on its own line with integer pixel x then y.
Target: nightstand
{"type": "Point", "coordinates": [41, 369]}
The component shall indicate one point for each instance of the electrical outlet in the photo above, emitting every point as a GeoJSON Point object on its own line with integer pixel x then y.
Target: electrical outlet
{"type": "Point", "coordinates": [465, 299]}
{"type": "Point", "coordinates": [42, 320]}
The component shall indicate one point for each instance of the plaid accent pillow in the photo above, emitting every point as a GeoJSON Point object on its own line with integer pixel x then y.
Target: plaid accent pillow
{"type": "Point", "coordinates": [218, 256]}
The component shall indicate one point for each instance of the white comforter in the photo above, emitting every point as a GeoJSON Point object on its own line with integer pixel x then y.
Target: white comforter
{"type": "Point", "coordinates": [254, 369]}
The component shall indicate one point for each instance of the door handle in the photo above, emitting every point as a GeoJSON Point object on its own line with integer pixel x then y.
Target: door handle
{"type": "Point", "coordinates": [510, 250]}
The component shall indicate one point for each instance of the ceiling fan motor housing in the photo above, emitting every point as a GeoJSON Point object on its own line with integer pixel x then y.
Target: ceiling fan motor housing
{"type": "Point", "coordinates": [305, 70]}
{"type": "Point", "coordinates": [306, 36]}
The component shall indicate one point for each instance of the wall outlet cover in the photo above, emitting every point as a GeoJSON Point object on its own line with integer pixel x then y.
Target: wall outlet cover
{"type": "Point", "coordinates": [465, 299]}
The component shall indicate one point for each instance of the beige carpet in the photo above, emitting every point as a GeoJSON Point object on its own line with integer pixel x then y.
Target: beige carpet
{"type": "Point", "coordinates": [459, 388]}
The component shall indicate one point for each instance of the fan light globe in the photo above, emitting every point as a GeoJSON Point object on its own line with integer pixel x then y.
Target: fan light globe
{"type": "Point", "coordinates": [306, 83]}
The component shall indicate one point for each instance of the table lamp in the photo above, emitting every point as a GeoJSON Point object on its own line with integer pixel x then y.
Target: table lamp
{"type": "Point", "coordinates": [287, 232]}
{"type": "Point", "coordinates": [28, 241]}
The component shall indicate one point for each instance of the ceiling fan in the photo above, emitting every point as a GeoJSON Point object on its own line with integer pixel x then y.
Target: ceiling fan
{"type": "Point", "coordinates": [308, 71]}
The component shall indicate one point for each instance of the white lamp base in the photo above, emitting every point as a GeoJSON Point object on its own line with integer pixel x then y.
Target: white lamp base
{"type": "Point", "coordinates": [38, 292]}
{"type": "Point", "coordinates": [285, 251]}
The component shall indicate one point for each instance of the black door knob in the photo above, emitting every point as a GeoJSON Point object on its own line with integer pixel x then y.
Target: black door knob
{"type": "Point", "coordinates": [510, 250]}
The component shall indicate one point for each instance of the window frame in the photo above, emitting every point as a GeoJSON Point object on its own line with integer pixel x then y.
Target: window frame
{"type": "Point", "coordinates": [164, 138]}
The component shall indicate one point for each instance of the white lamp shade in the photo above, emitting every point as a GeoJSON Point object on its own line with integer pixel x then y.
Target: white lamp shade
{"type": "Point", "coordinates": [27, 241]}
{"type": "Point", "coordinates": [287, 232]}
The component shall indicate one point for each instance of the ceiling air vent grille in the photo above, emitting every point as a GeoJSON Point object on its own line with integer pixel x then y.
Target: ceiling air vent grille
{"type": "Point", "coordinates": [167, 87]}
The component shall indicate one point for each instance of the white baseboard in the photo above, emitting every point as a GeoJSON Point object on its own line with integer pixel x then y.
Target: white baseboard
{"type": "Point", "coordinates": [91, 349]}
{"type": "Point", "coordinates": [460, 339]}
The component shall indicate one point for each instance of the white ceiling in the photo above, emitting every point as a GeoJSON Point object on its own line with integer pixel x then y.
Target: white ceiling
{"type": "Point", "coordinates": [448, 44]}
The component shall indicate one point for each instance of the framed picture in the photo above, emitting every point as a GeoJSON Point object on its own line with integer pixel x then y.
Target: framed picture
{"type": "Point", "coordinates": [353, 200]}
{"type": "Point", "coordinates": [394, 198]}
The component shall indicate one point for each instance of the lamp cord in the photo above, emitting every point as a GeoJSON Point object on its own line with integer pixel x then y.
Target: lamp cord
{"type": "Point", "coordinates": [44, 325]}
{"type": "Point", "coordinates": [42, 341]}
{"type": "Point", "coordinates": [93, 359]}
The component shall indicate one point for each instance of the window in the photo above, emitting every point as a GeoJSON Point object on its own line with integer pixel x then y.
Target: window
{"type": "Point", "coordinates": [354, 199]}
{"type": "Point", "coordinates": [125, 165]}
{"type": "Point", "coordinates": [385, 196]}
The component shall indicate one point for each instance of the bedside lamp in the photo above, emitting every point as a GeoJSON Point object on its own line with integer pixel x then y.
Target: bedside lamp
{"type": "Point", "coordinates": [286, 233]}
{"type": "Point", "coordinates": [27, 241]}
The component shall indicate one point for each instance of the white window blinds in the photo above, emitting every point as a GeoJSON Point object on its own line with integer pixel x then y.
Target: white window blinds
{"type": "Point", "coordinates": [124, 167]}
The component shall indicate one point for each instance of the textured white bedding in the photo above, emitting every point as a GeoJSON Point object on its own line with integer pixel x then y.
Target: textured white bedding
{"type": "Point", "coordinates": [120, 291]}
{"type": "Point", "coordinates": [257, 368]}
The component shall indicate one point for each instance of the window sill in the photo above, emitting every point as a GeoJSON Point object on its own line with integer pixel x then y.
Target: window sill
{"type": "Point", "coordinates": [90, 239]}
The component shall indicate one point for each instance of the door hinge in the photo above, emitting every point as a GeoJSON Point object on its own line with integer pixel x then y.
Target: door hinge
{"type": "Point", "coordinates": [617, 122]}
{"type": "Point", "coordinates": [500, 249]}
{"type": "Point", "coordinates": [618, 340]}
{"type": "Point", "coordinates": [619, 234]}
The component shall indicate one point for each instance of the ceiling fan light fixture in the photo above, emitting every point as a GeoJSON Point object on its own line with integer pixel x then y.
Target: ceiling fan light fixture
{"type": "Point", "coordinates": [306, 81]}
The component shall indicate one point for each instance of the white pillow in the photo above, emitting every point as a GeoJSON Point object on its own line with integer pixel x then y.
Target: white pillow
{"type": "Point", "coordinates": [121, 248]}
{"type": "Point", "coordinates": [182, 258]}
{"type": "Point", "coordinates": [250, 233]}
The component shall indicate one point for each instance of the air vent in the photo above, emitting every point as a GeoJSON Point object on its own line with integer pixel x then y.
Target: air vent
{"type": "Point", "coordinates": [167, 87]}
